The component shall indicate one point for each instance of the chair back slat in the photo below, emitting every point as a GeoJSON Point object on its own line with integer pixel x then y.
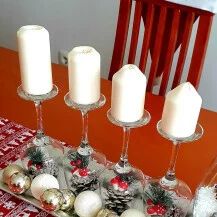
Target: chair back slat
{"type": "Point", "coordinates": [184, 48]}
{"type": "Point", "coordinates": [167, 36]}
{"type": "Point", "coordinates": [157, 47]}
{"type": "Point", "coordinates": [147, 35]}
{"type": "Point", "coordinates": [135, 32]}
{"type": "Point", "coordinates": [200, 47]}
{"type": "Point", "coordinates": [121, 36]}
{"type": "Point", "coordinates": [171, 50]}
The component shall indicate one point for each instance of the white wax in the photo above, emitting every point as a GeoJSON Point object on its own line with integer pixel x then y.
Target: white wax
{"type": "Point", "coordinates": [84, 75]}
{"type": "Point", "coordinates": [35, 60]}
{"type": "Point", "coordinates": [181, 111]}
{"type": "Point", "coordinates": [128, 94]}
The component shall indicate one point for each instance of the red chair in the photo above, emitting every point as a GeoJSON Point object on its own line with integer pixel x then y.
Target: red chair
{"type": "Point", "coordinates": [167, 27]}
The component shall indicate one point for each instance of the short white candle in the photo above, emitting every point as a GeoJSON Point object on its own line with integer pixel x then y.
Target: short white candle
{"type": "Point", "coordinates": [35, 60]}
{"type": "Point", "coordinates": [84, 75]}
{"type": "Point", "coordinates": [128, 94]}
{"type": "Point", "coordinates": [181, 111]}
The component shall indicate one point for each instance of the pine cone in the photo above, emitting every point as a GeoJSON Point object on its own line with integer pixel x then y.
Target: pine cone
{"type": "Point", "coordinates": [117, 200]}
{"type": "Point", "coordinates": [79, 184]}
{"type": "Point", "coordinates": [174, 212]}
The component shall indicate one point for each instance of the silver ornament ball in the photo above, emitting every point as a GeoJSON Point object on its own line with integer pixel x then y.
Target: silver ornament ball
{"type": "Point", "coordinates": [51, 199]}
{"type": "Point", "coordinates": [68, 200]}
{"type": "Point", "coordinates": [9, 171]}
{"type": "Point", "coordinates": [19, 183]}
{"type": "Point", "coordinates": [106, 213]}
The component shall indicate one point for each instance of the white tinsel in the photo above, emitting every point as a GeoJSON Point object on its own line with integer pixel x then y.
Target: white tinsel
{"type": "Point", "coordinates": [206, 203]}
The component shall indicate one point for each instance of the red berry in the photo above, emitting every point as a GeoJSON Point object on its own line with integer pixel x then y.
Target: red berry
{"type": "Point", "coordinates": [149, 202]}
{"type": "Point", "coordinates": [29, 163]}
{"type": "Point", "coordinates": [74, 170]}
{"type": "Point", "coordinates": [115, 180]}
{"type": "Point", "coordinates": [38, 166]}
{"type": "Point", "coordinates": [151, 210]}
{"type": "Point", "coordinates": [73, 163]}
{"type": "Point", "coordinates": [78, 162]}
{"type": "Point", "coordinates": [83, 172]}
{"type": "Point", "coordinates": [124, 185]}
{"type": "Point", "coordinates": [161, 210]}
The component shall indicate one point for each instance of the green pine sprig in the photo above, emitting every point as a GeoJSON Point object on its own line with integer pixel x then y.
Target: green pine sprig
{"type": "Point", "coordinates": [35, 155]}
{"type": "Point", "coordinates": [158, 195]}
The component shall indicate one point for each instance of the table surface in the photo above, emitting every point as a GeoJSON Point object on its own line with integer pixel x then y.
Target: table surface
{"type": "Point", "coordinates": [147, 150]}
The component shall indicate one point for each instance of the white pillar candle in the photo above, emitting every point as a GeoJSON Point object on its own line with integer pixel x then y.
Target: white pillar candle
{"type": "Point", "coordinates": [35, 60]}
{"type": "Point", "coordinates": [128, 94]}
{"type": "Point", "coordinates": [84, 75]}
{"type": "Point", "coordinates": [181, 111]}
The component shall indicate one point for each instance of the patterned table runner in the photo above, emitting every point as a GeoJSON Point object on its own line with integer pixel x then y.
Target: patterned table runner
{"type": "Point", "coordinates": [13, 138]}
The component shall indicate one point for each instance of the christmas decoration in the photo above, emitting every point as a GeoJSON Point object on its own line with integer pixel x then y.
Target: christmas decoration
{"type": "Point", "coordinates": [51, 199]}
{"type": "Point", "coordinates": [81, 178]}
{"type": "Point", "coordinates": [39, 161]}
{"type": "Point", "coordinates": [41, 183]}
{"type": "Point", "coordinates": [9, 171]}
{"type": "Point", "coordinates": [206, 202]}
{"type": "Point", "coordinates": [19, 183]}
{"type": "Point", "coordinates": [132, 212]}
{"type": "Point", "coordinates": [120, 190]}
{"type": "Point", "coordinates": [68, 200]}
{"type": "Point", "coordinates": [87, 203]}
{"type": "Point", "coordinates": [160, 202]}
{"type": "Point", "coordinates": [106, 213]}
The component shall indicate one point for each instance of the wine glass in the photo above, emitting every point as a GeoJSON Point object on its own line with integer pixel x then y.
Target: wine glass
{"type": "Point", "coordinates": [122, 184]}
{"type": "Point", "coordinates": [41, 154]}
{"type": "Point", "coordinates": [170, 196]}
{"type": "Point", "coordinates": [83, 164]}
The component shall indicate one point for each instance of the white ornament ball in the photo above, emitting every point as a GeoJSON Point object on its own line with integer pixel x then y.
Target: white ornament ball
{"type": "Point", "coordinates": [87, 204]}
{"type": "Point", "coordinates": [132, 213]}
{"type": "Point", "coordinates": [41, 183]}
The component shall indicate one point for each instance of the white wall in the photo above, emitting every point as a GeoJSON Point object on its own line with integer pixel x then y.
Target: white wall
{"type": "Point", "coordinates": [84, 22]}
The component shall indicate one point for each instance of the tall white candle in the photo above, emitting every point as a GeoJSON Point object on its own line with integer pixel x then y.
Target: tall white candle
{"type": "Point", "coordinates": [181, 111]}
{"type": "Point", "coordinates": [35, 60]}
{"type": "Point", "coordinates": [128, 94]}
{"type": "Point", "coordinates": [84, 75]}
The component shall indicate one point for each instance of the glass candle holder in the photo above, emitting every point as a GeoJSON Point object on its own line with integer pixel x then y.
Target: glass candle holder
{"type": "Point", "coordinates": [83, 165]}
{"type": "Point", "coordinates": [122, 184]}
{"type": "Point", "coordinates": [41, 154]}
{"type": "Point", "coordinates": [170, 196]}
{"type": "Point", "coordinates": [205, 203]}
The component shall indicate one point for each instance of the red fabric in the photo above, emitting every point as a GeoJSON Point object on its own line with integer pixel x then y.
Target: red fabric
{"type": "Point", "coordinates": [13, 138]}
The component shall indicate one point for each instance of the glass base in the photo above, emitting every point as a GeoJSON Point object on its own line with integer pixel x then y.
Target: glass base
{"type": "Point", "coordinates": [121, 191]}
{"type": "Point", "coordinates": [40, 156]}
{"type": "Point", "coordinates": [164, 197]}
{"type": "Point", "coordinates": [82, 169]}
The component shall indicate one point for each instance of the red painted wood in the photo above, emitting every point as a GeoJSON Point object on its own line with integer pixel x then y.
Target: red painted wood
{"type": "Point", "coordinates": [147, 36]}
{"type": "Point", "coordinates": [184, 48]}
{"type": "Point", "coordinates": [157, 47]}
{"type": "Point", "coordinates": [171, 51]}
{"type": "Point", "coordinates": [121, 36]}
{"type": "Point", "coordinates": [158, 16]}
{"type": "Point", "coordinates": [135, 32]}
{"type": "Point", "coordinates": [200, 48]}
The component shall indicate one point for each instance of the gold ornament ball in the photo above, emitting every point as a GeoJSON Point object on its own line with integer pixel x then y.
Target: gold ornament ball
{"type": "Point", "coordinates": [9, 171]}
{"type": "Point", "coordinates": [68, 200]}
{"type": "Point", "coordinates": [19, 183]}
{"type": "Point", "coordinates": [106, 213]}
{"type": "Point", "coordinates": [51, 199]}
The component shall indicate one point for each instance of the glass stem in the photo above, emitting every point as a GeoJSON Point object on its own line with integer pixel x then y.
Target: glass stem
{"type": "Point", "coordinates": [123, 165]}
{"type": "Point", "coordinates": [40, 129]}
{"type": "Point", "coordinates": [171, 175]}
{"type": "Point", "coordinates": [84, 138]}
